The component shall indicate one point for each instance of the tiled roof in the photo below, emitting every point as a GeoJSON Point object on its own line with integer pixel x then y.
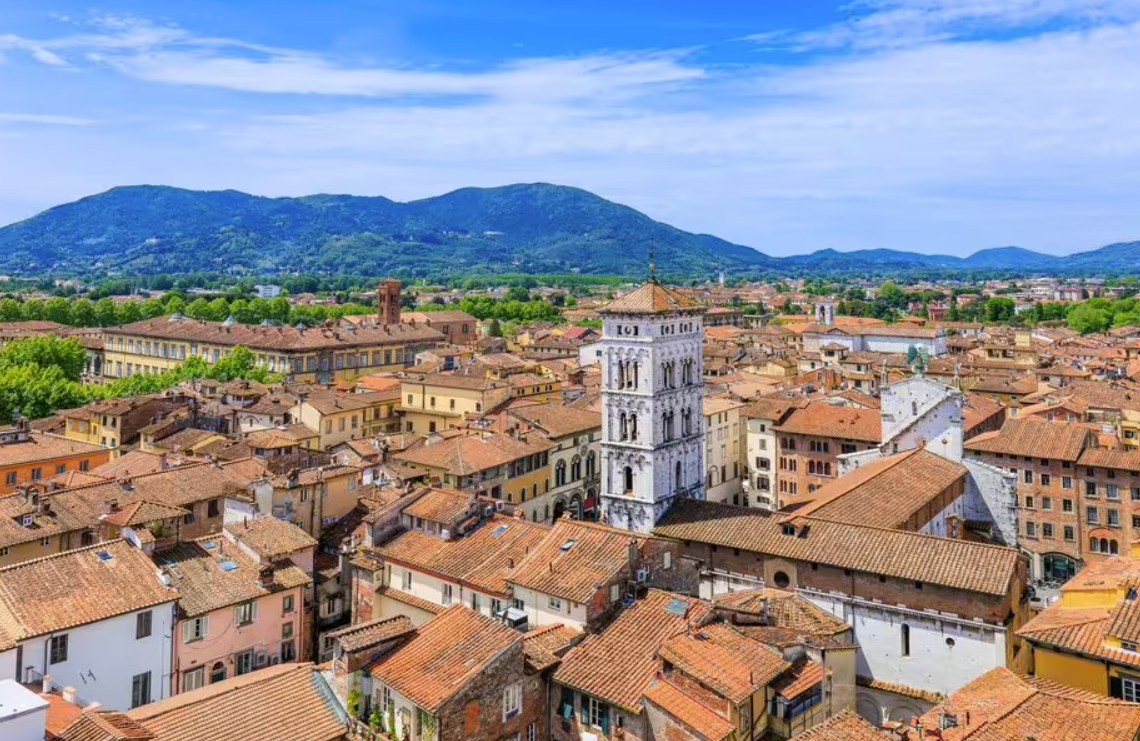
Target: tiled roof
{"type": "Point", "coordinates": [803, 675]}
{"type": "Point", "coordinates": [1124, 621]}
{"type": "Point", "coordinates": [365, 635]}
{"type": "Point", "coordinates": [1122, 460]}
{"type": "Point", "coordinates": [651, 298]}
{"type": "Point", "coordinates": [482, 557]}
{"type": "Point", "coordinates": [1033, 438]}
{"type": "Point", "coordinates": [44, 446]}
{"type": "Point", "coordinates": [541, 645]}
{"type": "Point", "coordinates": [689, 711]}
{"type": "Point", "coordinates": [278, 339]}
{"type": "Point", "coordinates": [76, 588]}
{"type": "Point", "coordinates": [211, 573]}
{"type": "Point", "coordinates": [1081, 630]}
{"type": "Point", "coordinates": [60, 714]}
{"type": "Point", "coordinates": [573, 559]}
{"type": "Point", "coordinates": [886, 492]}
{"type": "Point", "coordinates": [444, 655]}
{"type": "Point", "coordinates": [271, 538]}
{"type": "Point", "coordinates": [287, 701]}
{"type": "Point", "coordinates": [829, 420]}
{"type": "Point", "coordinates": [783, 609]}
{"type": "Point", "coordinates": [843, 726]}
{"type": "Point", "coordinates": [618, 664]}
{"type": "Point", "coordinates": [104, 726]}
{"type": "Point", "coordinates": [467, 454]}
{"type": "Point", "coordinates": [441, 505]}
{"type": "Point", "coordinates": [723, 660]}
{"type": "Point", "coordinates": [283, 436]}
{"type": "Point", "coordinates": [1002, 706]}
{"type": "Point", "coordinates": [409, 599]}
{"type": "Point", "coordinates": [895, 553]}
{"type": "Point", "coordinates": [143, 512]}
{"type": "Point", "coordinates": [558, 420]}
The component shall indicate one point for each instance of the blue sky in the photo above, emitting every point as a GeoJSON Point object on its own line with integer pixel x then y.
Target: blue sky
{"type": "Point", "coordinates": [930, 125]}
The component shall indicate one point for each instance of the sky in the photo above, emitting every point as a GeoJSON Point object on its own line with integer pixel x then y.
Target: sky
{"type": "Point", "coordinates": [938, 126]}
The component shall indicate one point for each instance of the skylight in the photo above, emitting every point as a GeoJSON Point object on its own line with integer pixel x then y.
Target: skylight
{"type": "Point", "coordinates": [228, 565]}
{"type": "Point", "coordinates": [568, 545]}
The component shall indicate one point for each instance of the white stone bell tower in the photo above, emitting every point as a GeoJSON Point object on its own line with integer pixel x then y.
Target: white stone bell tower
{"type": "Point", "coordinates": [652, 391]}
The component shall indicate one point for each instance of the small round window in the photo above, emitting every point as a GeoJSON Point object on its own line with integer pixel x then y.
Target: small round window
{"type": "Point", "coordinates": [950, 642]}
{"type": "Point", "coordinates": [781, 580]}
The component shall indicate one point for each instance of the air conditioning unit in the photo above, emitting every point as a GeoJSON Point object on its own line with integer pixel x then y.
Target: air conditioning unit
{"type": "Point", "coordinates": [274, 660]}
{"type": "Point", "coordinates": [642, 575]}
{"type": "Point", "coordinates": [500, 505]}
{"type": "Point", "coordinates": [262, 659]}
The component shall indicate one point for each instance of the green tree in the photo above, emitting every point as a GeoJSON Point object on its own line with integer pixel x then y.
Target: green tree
{"type": "Point", "coordinates": [199, 308]}
{"type": "Point", "coordinates": [219, 309]}
{"type": "Point", "coordinates": [106, 315]}
{"type": "Point", "coordinates": [81, 313]}
{"type": "Point", "coordinates": [517, 293]}
{"type": "Point", "coordinates": [48, 351]}
{"type": "Point", "coordinates": [1087, 319]}
{"type": "Point", "coordinates": [34, 309]}
{"type": "Point", "coordinates": [1000, 309]}
{"type": "Point", "coordinates": [494, 329]}
{"type": "Point", "coordinates": [10, 310]}
{"type": "Point", "coordinates": [152, 308]}
{"type": "Point", "coordinates": [58, 310]}
{"type": "Point", "coordinates": [128, 312]}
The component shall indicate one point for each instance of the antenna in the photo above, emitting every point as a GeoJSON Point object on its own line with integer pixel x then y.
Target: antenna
{"type": "Point", "coordinates": [652, 267]}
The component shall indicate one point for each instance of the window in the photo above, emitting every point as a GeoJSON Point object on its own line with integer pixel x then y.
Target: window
{"type": "Point", "coordinates": [1114, 518]}
{"type": "Point", "coordinates": [193, 679]}
{"type": "Point", "coordinates": [245, 614]}
{"type": "Point", "coordinates": [475, 601]}
{"type": "Point", "coordinates": [1028, 476]}
{"type": "Point", "coordinates": [1046, 479]}
{"type": "Point", "coordinates": [615, 592]}
{"type": "Point", "coordinates": [10, 478]}
{"type": "Point", "coordinates": [905, 640]}
{"type": "Point", "coordinates": [667, 559]}
{"type": "Point", "coordinates": [556, 604]}
{"type": "Point", "coordinates": [1066, 482]}
{"type": "Point", "coordinates": [1070, 533]}
{"type": "Point", "coordinates": [217, 672]}
{"type": "Point", "coordinates": [243, 663]}
{"type": "Point", "coordinates": [1029, 502]}
{"type": "Point", "coordinates": [1130, 689]}
{"type": "Point", "coordinates": [140, 689]}
{"type": "Point", "coordinates": [37, 474]}
{"type": "Point", "coordinates": [1090, 489]}
{"type": "Point", "coordinates": [1031, 529]}
{"type": "Point", "coordinates": [143, 624]}
{"type": "Point", "coordinates": [1112, 491]}
{"type": "Point", "coordinates": [531, 732]}
{"type": "Point", "coordinates": [1066, 505]}
{"type": "Point", "coordinates": [1092, 515]}
{"type": "Point", "coordinates": [1046, 503]}
{"type": "Point", "coordinates": [1046, 530]}
{"type": "Point", "coordinates": [57, 649]}
{"type": "Point", "coordinates": [597, 714]}
{"type": "Point", "coordinates": [512, 701]}
{"type": "Point", "coordinates": [195, 629]}
{"type": "Point", "coordinates": [287, 605]}
{"type": "Point", "coordinates": [212, 508]}
{"type": "Point", "coordinates": [447, 594]}
{"type": "Point", "coordinates": [407, 580]}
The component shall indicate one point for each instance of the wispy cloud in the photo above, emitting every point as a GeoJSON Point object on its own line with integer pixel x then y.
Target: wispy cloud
{"type": "Point", "coordinates": [917, 129]}
{"type": "Point", "coordinates": [45, 119]}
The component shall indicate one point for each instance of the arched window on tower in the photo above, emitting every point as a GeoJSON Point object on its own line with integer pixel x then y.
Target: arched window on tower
{"type": "Point", "coordinates": [635, 369]}
{"type": "Point", "coordinates": [678, 484]}
{"type": "Point", "coordinates": [591, 464]}
{"type": "Point", "coordinates": [560, 473]}
{"type": "Point", "coordinates": [576, 469]}
{"type": "Point", "coordinates": [624, 424]}
{"type": "Point", "coordinates": [621, 374]}
{"type": "Point", "coordinates": [905, 639]}
{"type": "Point", "coordinates": [633, 427]}
{"type": "Point", "coordinates": [627, 479]}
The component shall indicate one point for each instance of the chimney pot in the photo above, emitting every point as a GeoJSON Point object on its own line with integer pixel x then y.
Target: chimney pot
{"type": "Point", "coordinates": [70, 696]}
{"type": "Point", "coordinates": [46, 686]}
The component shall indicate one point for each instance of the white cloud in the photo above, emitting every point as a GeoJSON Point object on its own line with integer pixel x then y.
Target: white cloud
{"type": "Point", "coordinates": [46, 119]}
{"type": "Point", "coordinates": [923, 137]}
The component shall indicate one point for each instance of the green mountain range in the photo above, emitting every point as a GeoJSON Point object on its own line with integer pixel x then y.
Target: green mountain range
{"type": "Point", "coordinates": [527, 228]}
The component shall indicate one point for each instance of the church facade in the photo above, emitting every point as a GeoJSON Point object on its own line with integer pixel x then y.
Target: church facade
{"type": "Point", "coordinates": [652, 390]}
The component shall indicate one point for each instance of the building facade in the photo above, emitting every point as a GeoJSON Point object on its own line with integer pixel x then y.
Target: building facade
{"type": "Point", "coordinates": [652, 391]}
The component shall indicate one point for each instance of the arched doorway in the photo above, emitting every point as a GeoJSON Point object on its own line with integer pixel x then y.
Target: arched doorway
{"type": "Point", "coordinates": [559, 509]}
{"type": "Point", "coordinates": [576, 507]}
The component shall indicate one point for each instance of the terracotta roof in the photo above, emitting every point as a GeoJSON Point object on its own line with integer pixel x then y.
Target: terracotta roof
{"type": "Point", "coordinates": [365, 635]}
{"type": "Point", "coordinates": [783, 609]}
{"type": "Point", "coordinates": [60, 714]}
{"type": "Point", "coordinates": [723, 660]}
{"type": "Point", "coordinates": [1081, 630]}
{"type": "Point", "coordinates": [1001, 706]}
{"type": "Point", "coordinates": [481, 557]}
{"type": "Point", "coordinates": [1124, 621]}
{"type": "Point", "coordinates": [444, 655]}
{"type": "Point", "coordinates": [886, 492]}
{"type": "Point", "coordinates": [271, 538]}
{"type": "Point", "coordinates": [105, 726]}
{"type": "Point", "coordinates": [44, 446]}
{"type": "Point", "coordinates": [573, 559]}
{"type": "Point", "coordinates": [895, 553]}
{"type": "Point", "coordinates": [843, 726]}
{"type": "Point", "coordinates": [212, 573]}
{"type": "Point", "coordinates": [78, 587]}
{"type": "Point", "coordinates": [635, 635]}
{"type": "Point", "coordinates": [829, 420]}
{"type": "Point", "coordinates": [651, 298]}
{"type": "Point", "coordinates": [803, 675]}
{"type": "Point", "coordinates": [558, 420]}
{"type": "Point", "coordinates": [1123, 460]}
{"type": "Point", "coordinates": [287, 701]}
{"type": "Point", "coordinates": [283, 436]}
{"type": "Point", "coordinates": [543, 645]}
{"type": "Point", "coordinates": [410, 600]}
{"type": "Point", "coordinates": [133, 462]}
{"type": "Point", "coordinates": [689, 711]}
{"type": "Point", "coordinates": [467, 454]}
{"type": "Point", "coordinates": [441, 505]}
{"type": "Point", "coordinates": [277, 339]}
{"type": "Point", "coordinates": [1033, 438]}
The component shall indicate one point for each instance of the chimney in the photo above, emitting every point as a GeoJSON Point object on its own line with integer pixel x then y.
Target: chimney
{"type": "Point", "coordinates": [112, 506]}
{"type": "Point", "coordinates": [265, 577]}
{"type": "Point", "coordinates": [46, 686]}
{"type": "Point", "coordinates": [70, 696]}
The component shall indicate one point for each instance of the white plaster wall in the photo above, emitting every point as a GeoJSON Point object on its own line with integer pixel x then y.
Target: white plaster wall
{"type": "Point", "coordinates": [935, 348]}
{"type": "Point", "coordinates": [540, 613]}
{"type": "Point", "coordinates": [104, 657]}
{"type": "Point", "coordinates": [26, 727]}
{"type": "Point", "coordinates": [8, 665]}
{"type": "Point", "coordinates": [991, 496]}
{"type": "Point", "coordinates": [760, 442]}
{"type": "Point", "coordinates": [933, 664]}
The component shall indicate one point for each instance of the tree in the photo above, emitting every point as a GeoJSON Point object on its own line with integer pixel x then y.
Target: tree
{"type": "Point", "coordinates": [517, 293]}
{"type": "Point", "coordinates": [81, 313]}
{"type": "Point", "coordinates": [127, 312]}
{"type": "Point", "coordinates": [494, 329]}
{"type": "Point", "coordinates": [199, 308]}
{"type": "Point", "coordinates": [106, 315]}
{"type": "Point", "coordinates": [219, 309]}
{"type": "Point", "coordinates": [48, 351]}
{"type": "Point", "coordinates": [10, 310]}
{"type": "Point", "coordinates": [1000, 309]}
{"type": "Point", "coordinates": [34, 309]}
{"type": "Point", "coordinates": [1086, 319]}
{"type": "Point", "coordinates": [152, 308]}
{"type": "Point", "coordinates": [57, 310]}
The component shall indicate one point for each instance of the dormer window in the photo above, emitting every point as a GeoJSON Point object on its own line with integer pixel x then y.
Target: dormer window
{"type": "Point", "coordinates": [788, 529]}
{"type": "Point", "coordinates": [27, 520]}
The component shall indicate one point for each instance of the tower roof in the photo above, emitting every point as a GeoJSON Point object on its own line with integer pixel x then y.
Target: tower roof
{"type": "Point", "coordinates": [651, 298]}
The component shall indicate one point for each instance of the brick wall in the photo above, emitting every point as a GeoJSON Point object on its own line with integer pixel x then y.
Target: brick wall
{"type": "Point", "coordinates": [476, 712]}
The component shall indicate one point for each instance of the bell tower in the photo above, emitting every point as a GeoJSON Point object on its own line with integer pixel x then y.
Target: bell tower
{"type": "Point", "coordinates": [652, 395]}
{"type": "Point", "coordinates": [388, 302]}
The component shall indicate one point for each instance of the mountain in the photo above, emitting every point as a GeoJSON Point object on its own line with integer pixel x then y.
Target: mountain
{"type": "Point", "coordinates": [529, 228]}
{"type": "Point", "coordinates": [523, 228]}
